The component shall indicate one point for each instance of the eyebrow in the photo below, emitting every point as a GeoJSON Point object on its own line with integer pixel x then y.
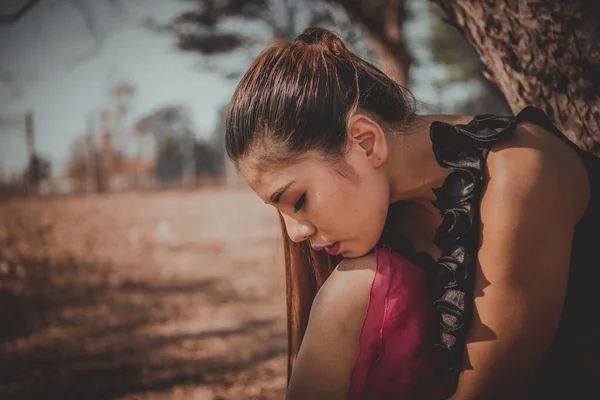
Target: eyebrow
{"type": "Point", "coordinates": [276, 196]}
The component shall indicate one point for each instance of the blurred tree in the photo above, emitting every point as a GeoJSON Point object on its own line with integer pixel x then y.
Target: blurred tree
{"type": "Point", "coordinates": [463, 66]}
{"type": "Point", "coordinates": [209, 161]}
{"type": "Point", "coordinates": [384, 20]}
{"type": "Point", "coordinates": [212, 28]}
{"type": "Point", "coordinates": [85, 167]}
{"type": "Point", "coordinates": [174, 135]}
{"type": "Point", "coordinates": [78, 168]}
{"type": "Point", "coordinates": [541, 53]}
{"type": "Point", "coordinates": [38, 169]}
{"type": "Point", "coordinates": [217, 144]}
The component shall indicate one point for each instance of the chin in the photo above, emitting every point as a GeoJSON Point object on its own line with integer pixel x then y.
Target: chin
{"type": "Point", "coordinates": [354, 254]}
{"type": "Point", "coordinates": [356, 249]}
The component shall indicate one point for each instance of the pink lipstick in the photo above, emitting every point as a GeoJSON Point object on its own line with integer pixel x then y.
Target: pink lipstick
{"type": "Point", "coordinates": [332, 250]}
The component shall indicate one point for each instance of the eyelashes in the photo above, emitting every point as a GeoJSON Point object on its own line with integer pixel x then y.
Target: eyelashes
{"type": "Point", "coordinates": [300, 203]}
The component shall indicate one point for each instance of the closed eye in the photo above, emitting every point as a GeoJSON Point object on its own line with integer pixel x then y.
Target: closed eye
{"type": "Point", "coordinates": [300, 203]}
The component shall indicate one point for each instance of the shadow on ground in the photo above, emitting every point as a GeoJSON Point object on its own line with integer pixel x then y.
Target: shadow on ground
{"type": "Point", "coordinates": [68, 332]}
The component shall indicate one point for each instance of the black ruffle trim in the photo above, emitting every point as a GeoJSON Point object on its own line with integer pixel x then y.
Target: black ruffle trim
{"type": "Point", "coordinates": [464, 149]}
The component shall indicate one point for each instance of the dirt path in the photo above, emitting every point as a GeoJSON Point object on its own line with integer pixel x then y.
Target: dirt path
{"type": "Point", "coordinates": [163, 295]}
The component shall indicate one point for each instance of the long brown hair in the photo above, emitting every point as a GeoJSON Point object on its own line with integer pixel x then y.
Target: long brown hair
{"type": "Point", "coordinates": [297, 97]}
{"type": "Point", "coordinates": [305, 271]}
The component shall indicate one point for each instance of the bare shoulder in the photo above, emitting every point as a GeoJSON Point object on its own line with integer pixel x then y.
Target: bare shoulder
{"type": "Point", "coordinates": [330, 345]}
{"type": "Point", "coordinates": [345, 294]}
{"type": "Point", "coordinates": [535, 163]}
{"type": "Point", "coordinates": [536, 191]}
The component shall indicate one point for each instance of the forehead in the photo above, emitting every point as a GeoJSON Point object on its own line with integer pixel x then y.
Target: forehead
{"type": "Point", "coordinates": [266, 177]}
{"type": "Point", "coordinates": [259, 173]}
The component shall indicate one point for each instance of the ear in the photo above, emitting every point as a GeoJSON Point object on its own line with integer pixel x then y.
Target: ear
{"type": "Point", "coordinates": [369, 138]}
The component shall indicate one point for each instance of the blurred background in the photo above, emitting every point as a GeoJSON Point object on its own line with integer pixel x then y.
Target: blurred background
{"type": "Point", "coordinates": [134, 264]}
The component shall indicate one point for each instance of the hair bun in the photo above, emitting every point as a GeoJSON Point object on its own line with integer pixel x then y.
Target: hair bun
{"type": "Point", "coordinates": [321, 37]}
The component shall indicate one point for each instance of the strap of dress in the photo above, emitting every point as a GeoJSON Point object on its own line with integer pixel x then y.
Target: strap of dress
{"type": "Point", "coordinates": [538, 117]}
{"type": "Point", "coordinates": [463, 148]}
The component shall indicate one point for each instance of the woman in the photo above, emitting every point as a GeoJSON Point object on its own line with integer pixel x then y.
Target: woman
{"type": "Point", "coordinates": [489, 291]}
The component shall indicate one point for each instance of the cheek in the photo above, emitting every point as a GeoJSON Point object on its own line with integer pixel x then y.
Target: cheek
{"type": "Point", "coordinates": [351, 207]}
{"type": "Point", "coordinates": [370, 206]}
{"type": "Point", "coordinates": [332, 207]}
{"type": "Point", "coordinates": [325, 209]}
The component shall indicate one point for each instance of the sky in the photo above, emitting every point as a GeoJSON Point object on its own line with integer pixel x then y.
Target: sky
{"type": "Point", "coordinates": [65, 69]}
{"type": "Point", "coordinates": [63, 66]}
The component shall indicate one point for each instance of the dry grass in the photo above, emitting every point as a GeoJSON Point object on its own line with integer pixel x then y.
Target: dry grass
{"type": "Point", "coordinates": [162, 295]}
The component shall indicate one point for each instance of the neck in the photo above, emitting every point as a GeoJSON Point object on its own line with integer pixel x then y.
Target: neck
{"type": "Point", "coordinates": [412, 167]}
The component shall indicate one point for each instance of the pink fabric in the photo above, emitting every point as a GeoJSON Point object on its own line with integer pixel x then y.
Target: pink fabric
{"type": "Point", "coordinates": [396, 358]}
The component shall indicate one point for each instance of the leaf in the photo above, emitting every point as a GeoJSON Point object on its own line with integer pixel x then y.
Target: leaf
{"type": "Point", "coordinates": [210, 43]}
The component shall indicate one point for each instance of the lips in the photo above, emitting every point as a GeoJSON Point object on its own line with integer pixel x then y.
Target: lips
{"type": "Point", "coordinates": [332, 249]}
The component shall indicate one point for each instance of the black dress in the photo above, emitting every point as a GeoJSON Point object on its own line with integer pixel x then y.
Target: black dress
{"type": "Point", "coordinates": [571, 366]}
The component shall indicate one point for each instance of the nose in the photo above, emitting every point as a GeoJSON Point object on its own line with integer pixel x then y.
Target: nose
{"type": "Point", "coordinates": [298, 231]}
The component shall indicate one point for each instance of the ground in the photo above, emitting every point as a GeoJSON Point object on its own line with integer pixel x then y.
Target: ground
{"type": "Point", "coordinates": [147, 295]}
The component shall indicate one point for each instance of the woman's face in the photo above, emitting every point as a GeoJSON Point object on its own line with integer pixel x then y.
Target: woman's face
{"type": "Point", "coordinates": [341, 207]}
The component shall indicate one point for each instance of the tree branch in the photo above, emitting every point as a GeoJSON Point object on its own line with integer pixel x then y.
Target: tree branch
{"type": "Point", "coordinates": [383, 19]}
{"type": "Point", "coordinates": [11, 19]}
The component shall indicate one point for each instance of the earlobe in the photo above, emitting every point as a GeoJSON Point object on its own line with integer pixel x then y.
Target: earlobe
{"type": "Point", "coordinates": [369, 136]}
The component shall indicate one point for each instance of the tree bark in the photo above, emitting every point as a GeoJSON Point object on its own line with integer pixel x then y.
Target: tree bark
{"type": "Point", "coordinates": [543, 53]}
{"type": "Point", "coordinates": [384, 19]}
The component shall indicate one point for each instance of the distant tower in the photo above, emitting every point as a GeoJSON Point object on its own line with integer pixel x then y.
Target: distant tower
{"type": "Point", "coordinates": [31, 179]}
{"type": "Point", "coordinates": [122, 93]}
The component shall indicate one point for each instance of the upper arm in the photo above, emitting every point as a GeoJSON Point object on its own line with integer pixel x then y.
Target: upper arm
{"type": "Point", "coordinates": [527, 225]}
{"type": "Point", "coordinates": [330, 345]}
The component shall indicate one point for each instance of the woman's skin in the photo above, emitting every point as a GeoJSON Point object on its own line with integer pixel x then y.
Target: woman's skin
{"type": "Point", "coordinates": [536, 191]}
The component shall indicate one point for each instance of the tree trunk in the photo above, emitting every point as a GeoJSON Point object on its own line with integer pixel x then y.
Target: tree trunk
{"type": "Point", "coordinates": [540, 52]}
{"type": "Point", "coordinates": [384, 19]}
